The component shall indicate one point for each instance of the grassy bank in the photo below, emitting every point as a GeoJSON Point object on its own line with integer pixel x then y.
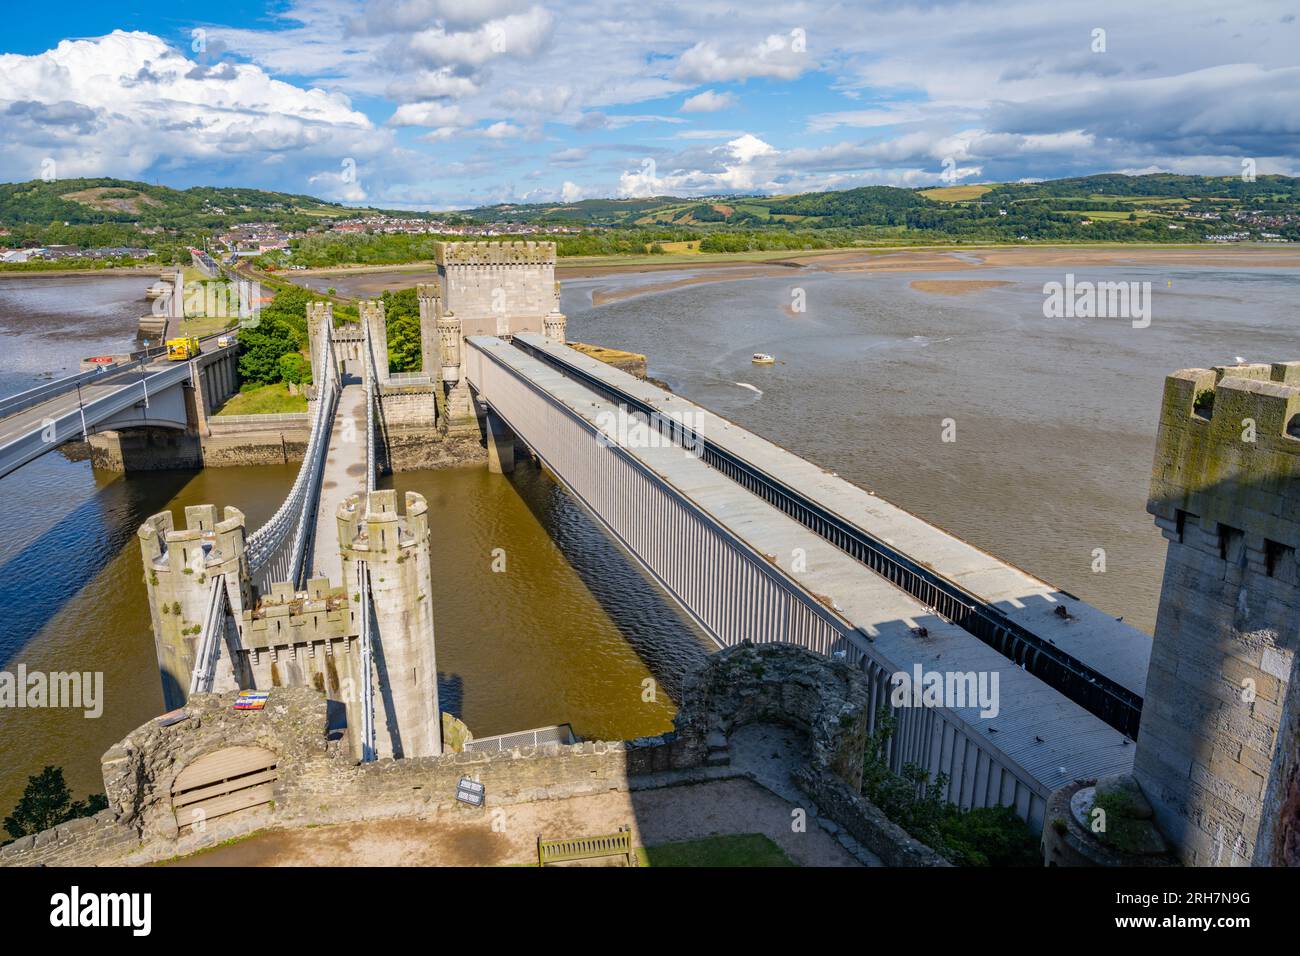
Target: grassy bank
{"type": "Point", "coordinates": [265, 400]}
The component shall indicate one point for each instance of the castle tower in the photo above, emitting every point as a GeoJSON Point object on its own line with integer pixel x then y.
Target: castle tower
{"type": "Point", "coordinates": [554, 323]}
{"type": "Point", "coordinates": [372, 315]}
{"type": "Point", "coordinates": [485, 288]}
{"type": "Point", "coordinates": [318, 314]}
{"type": "Point", "coordinates": [395, 549]}
{"type": "Point", "coordinates": [1218, 752]}
{"type": "Point", "coordinates": [179, 566]}
{"type": "Point", "coordinates": [498, 288]}
{"type": "Point", "coordinates": [429, 296]}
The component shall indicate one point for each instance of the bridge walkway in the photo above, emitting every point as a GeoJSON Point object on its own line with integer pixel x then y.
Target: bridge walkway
{"type": "Point", "coordinates": [344, 475]}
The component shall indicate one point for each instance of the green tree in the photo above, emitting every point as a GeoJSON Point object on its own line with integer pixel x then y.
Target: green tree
{"type": "Point", "coordinates": [294, 368]}
{"type": "Point", "coordinates": [402, 315]}
{"type": "Point", "coordinates": [289, 308]}
{"type": "Point", "coordinates": [47, 802]}
{"type": "Point", "coordinates": [262, 346]}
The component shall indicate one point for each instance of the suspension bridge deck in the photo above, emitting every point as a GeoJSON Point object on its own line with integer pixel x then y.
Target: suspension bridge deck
{"type": "Point", "coordinates": [344, 475]}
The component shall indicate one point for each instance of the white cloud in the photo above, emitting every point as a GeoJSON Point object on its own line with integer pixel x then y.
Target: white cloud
{"type": "Point", "coordinates": [741, 165]}
{"type": "Point", "coordinates": [427, 114]}
{"type": "Point", "coordinates": [520, 34]}
{"type": "Point", "coordinates": [780, 57]}
{"type": "Point", "coordinates": [572, 192]}
{"type": "Point", "coordinates": [125, 103]}
{"type": "Point", "coordinates": [708, 101]}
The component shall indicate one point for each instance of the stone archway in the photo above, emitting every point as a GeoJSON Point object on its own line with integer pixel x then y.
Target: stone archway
{"type": "Point", "coordinates": [223, 782]}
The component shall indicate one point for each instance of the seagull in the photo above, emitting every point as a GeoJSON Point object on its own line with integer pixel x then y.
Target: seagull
{"type": "Point", "coordinates": [1240, 360]}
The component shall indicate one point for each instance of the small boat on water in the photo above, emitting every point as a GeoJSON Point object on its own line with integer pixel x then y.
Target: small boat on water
{"type": "Point", "coordinates": [762, 358]}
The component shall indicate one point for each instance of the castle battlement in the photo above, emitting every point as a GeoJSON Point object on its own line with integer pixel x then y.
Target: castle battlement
{"type": "Point", "coordinates": [203, 543]}
{"type": "Point", "coordinates": [371, 527]}
{"type": "Point", "coordinates": [453, 254]}
{"type": "Point", "coordinates": [1218, 749]}
{"type": "Point", "coordinates": [1228, 452]}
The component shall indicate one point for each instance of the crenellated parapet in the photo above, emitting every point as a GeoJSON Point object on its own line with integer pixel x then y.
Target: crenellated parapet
{"type": "Point", "coordinates": [1219, 747]}
{"type": "Point", "coordinates": [494, 253]}
{"type": "Point", "coordinates": [1228, 449]}
{"type": "Point", "coordinates": [180, 565]}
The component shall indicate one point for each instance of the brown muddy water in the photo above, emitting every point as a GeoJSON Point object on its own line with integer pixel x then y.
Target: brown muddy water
{"type": "Point", "coordinates": [1055, 422]}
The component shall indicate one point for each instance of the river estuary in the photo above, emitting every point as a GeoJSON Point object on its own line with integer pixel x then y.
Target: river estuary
{"type": "Point", "coordinates": [1054, 423]}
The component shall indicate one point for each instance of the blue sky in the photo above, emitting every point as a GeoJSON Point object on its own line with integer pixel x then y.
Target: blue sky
{"type": "Point", "coordinates": [444, 103]}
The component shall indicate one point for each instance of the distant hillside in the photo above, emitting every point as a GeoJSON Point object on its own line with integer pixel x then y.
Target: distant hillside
{"type": "Point", "coordinates": [950, 209]}
{"type": "Point", "coordinates": [1156, 208]}
{"type": "Point", "coordinates": [86, 202]}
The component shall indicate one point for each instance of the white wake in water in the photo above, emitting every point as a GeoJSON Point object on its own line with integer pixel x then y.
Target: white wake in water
{"type": "Point", "coordinates": [756, 391]}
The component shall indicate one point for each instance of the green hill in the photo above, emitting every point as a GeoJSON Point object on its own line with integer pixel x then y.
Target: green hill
{"type": "Point", "coordinates": [85, 202]}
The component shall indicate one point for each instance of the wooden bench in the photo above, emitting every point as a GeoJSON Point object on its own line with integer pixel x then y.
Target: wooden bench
{"type": "Point", "coordinates": [587, 848]}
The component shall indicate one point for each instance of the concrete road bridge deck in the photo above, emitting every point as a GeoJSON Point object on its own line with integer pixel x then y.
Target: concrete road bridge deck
{"type": "Point", "coordinates": [144, 392]}
{"type": "Point", "coordinates": [742, 569]}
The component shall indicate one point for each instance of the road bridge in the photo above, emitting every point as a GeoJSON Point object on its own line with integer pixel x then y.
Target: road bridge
{"type": "Point", "coordinates": [145, 391]}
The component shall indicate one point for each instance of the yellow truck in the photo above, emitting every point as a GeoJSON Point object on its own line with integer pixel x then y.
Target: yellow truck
{"type": "Point", "coordinates": [179, 350]}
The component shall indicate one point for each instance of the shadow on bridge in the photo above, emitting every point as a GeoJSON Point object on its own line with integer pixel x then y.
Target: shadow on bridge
{"type": "Point", "coordinates": [668, 643]}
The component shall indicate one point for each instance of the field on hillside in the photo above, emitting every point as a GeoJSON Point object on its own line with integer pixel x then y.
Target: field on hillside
{"type": "Point", "coordinates": [955, 193]}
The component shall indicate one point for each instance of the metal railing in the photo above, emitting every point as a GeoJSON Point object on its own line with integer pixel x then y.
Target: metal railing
{"type": "Point", "coordinates": [270, 418]}
{"type": "Point", "coordinates": [500, 743]}
{"type": "Point", "coordinates": [372, 395]}
{"type": "Point", "coordinates": [277, 550]}
{"type": "Point", "coordinates": [367, 665]}
{"type": "Point", "coordinates": [214, 627]}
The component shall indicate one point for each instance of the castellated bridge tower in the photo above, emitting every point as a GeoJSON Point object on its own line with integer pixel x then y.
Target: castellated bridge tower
{"type": "Point", "coordinates": [318, 314]}
{"type": "Point", "coordinates": [311, 637]}
{"type": "Point", "coordinates": [179, 566]}
{"type": "Point", "coordinates": [395, 551]}
{"type": "Point", "coordinates": [484, 288]}
{"type": "Point", "coordinates": [1218, 752]}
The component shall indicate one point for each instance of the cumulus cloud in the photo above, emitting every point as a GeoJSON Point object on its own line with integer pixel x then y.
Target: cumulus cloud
{"type": "Point", "coordinates": [781, 57]}
{"type": "Point", "coordinates": [740, 165]}
{"type": "Point", "coordinates": [127, 104]}
{"type": "Point", "coordinates": [520, 34]}
{"type": "Point", "coordinates": [708, 101]}
{"type": "Point", "coordinates": [427, 114]}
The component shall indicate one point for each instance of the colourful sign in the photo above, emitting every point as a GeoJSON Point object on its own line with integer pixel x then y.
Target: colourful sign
{"type": "Point", "coordinates": [251, 700]}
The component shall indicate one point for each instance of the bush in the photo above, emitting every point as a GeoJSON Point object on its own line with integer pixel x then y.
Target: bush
{"type": "Point", "coordinates": [294, 368]}
{"type": "Point", "coordinates": [987, 836]}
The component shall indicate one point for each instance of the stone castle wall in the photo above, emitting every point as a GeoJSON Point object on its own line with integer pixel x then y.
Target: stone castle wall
{"type": "Point", "coordinates": [1218, 746]}
{"type": "Point", "coordinates": [320, 782]}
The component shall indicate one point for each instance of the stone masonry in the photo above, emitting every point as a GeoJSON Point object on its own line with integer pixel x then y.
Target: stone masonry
{"type": "Point", "coordinates": [320, 782]}
{"type": "Point", "coordinates": [290, 638]}
{"type": "Point", "coordinates": [1218, 753]}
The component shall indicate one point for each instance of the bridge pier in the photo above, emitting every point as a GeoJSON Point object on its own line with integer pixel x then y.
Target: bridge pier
{"type": "Point", "coordinates": [500, 444]}
{"type": "Point", "coordinates": [145, 449]}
